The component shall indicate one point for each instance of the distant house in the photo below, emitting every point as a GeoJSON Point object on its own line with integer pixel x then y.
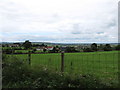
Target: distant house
{"type": "Point", "coordinates": [40, 48]}
{"type": "Point", "coordinates": [14, 45]}
{"type": "Point", "coordinates": [49, 48]}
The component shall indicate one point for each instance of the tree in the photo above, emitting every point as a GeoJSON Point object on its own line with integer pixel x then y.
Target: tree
{"type": "Point", "coordinates": [107, 47]}
{"type": "Point", "coordinates": [27, 44]}
{"type": "Point", "coordinates": [94, 47]}
{"type": "Point", "coordinates": [33, 51]}
{"type": "Point", "coordinates": [87, 50]}
{"type": "Point", "coordinates": [44, 50]}
{"type": "Point", "coordinates": [57, 49]}
{"type": "Point", "coordinates": [117, 47]}
{"type": "Point", "coordinates": [35, 45]}
{"type": "Point", "coordinates": [8, 51]}
{"type": "Point", "coordinates": [54, 49]}
{"type": "Point", "coordinates": [101, 47]}
{"type": "Point", "coordinates": [42, 44]}
{"type": "Point", "coordinates": [70, 49]}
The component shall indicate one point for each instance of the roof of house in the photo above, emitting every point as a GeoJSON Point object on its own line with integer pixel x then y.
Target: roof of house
{"type": "Point", "coordinates": [49, 47]}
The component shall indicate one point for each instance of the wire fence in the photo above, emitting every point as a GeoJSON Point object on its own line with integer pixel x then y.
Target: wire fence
{"type": "Point", "coordinates": [102, 65]}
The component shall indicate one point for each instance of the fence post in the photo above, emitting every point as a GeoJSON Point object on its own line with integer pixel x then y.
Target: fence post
{"type": "Point", "coordinates": [29, 57]}
{"type": "Point", "coordinates": [62, 62]}
{"type": "Point", "coordinates": [71, 64]}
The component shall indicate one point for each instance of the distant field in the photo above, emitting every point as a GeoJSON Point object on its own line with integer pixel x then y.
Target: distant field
{"type": "Point", "coordinates": [100, 64]}
{"type": "Point", "coordinates": [12, 47]}
{"type": "Point", "coordinates": [22, 51]}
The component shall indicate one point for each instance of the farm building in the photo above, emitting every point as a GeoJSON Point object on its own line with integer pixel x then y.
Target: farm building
{"type": "Point", "coordinates": [40, 48]}
{"type": "Point", "coordinates": [14, 45]}
{"type": "Point", "coordinates": [49, 48]}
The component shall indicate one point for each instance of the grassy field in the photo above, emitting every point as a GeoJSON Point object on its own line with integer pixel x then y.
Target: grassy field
{"type": "Point", "coordinates": [22, 51]}
{"type": "Point", "coordinates": [101, 64]}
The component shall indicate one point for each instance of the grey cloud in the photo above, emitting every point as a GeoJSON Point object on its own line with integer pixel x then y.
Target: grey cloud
{"type": "Point", "coordinates": [85, 27]}
{"type": "Point", "coordinates": [113, 23]}
{"type": "Point", "coordinates": [28, 37]}
{"type": "Point", "coordinates": [75, 32]}
{"type": "Point", "coordinates": [76, 29]}
{"type": "Point", "coordinates": [100, 32]}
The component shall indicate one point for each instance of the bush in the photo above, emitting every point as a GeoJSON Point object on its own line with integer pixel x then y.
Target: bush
{"type": "Point", "coordinates": [14, 70]}
{"type": "Point", "coordinates": [8, 51]}
{"type": "Point", "coordinates": [45, 78]}
{"type": "Point", "coordinates": [117, 47]}
{"type": "Point", "coordinates": [17, 74]}
{"type": "Point", "coordinates": [70, 49]}
{"type": "Point", "coordinates": [107, 47]}
{"type": "Point", "coordinates": [87, 50]}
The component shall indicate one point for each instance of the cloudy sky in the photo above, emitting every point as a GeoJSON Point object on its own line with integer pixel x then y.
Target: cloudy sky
{"type": "Point", "coordinates": [61, 21]}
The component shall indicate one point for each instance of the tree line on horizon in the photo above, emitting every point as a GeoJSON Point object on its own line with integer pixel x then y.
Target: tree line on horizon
{"type": "Point", "coordinates": [93, 48]}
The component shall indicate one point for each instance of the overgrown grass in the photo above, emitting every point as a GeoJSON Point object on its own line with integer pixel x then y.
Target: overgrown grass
{"type": "Point", "coordinates": [101, 64]}
{"type": "Point", "coordinates": [17, 74]}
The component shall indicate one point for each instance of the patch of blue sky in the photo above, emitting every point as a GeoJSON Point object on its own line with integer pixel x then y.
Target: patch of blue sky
{"type": "Point", "coordinates": [29, 33]}
{"type": "Point", "coordinates": [45, 33]}
{"type": "Point", "coordinates": [6, 34]}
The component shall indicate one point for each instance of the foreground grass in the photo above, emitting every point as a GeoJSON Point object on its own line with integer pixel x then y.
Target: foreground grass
{"type": "Point", "coordinates": [100, 64]}
{"type": "Point", "coordinates": [18, 74]}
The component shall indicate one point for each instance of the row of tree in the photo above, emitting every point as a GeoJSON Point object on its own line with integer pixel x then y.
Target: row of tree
{"type": "Point", "coordinates": [94, 47]}
{"type": "Point", "coordinates": [106, 47]}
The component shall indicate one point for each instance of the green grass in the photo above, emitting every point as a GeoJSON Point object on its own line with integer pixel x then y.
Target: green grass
{"type": "Point", "coordinates": [101, 64]}
{"type": "Point", "coordinates": [38, 51]}
{"type": "Point", "coordinates": [12, 47]}
{"type": "Point", "coordinates": [22, 51]}
{"type": "Point", "coordinates": [18, 74]}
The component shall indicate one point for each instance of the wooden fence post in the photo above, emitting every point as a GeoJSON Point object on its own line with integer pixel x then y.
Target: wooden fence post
{"type": "Point", "coordinates": [62, 62]}
{"type": "Point", "coordinates": [71, 64]}
{"type": "Point", "coordinates": [29, 57]}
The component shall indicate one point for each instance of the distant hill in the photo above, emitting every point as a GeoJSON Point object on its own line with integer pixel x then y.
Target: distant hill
{"type": "Point", "coordinates": [48, 43]}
